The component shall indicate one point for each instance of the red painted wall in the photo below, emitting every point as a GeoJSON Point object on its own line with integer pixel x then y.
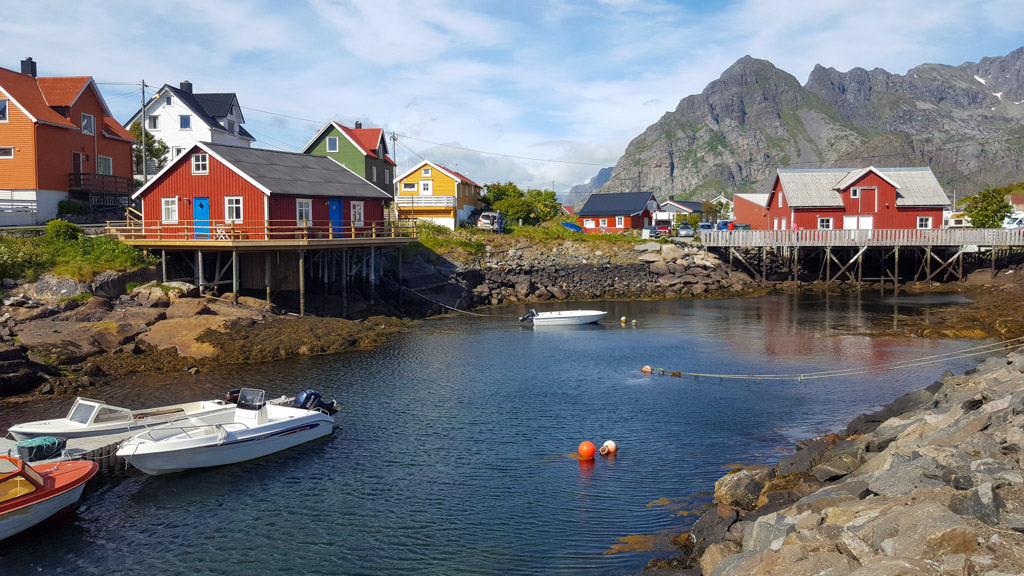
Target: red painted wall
{"type": "Point", "coordinates": [746, 212]}
{"type": "Point", "coordinates": [628, 223]}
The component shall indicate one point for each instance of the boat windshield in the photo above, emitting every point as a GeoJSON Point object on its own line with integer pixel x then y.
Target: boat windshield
{"type": "Point", "coordinates": [250, 399]}
{"type": "Point", "coordinates": [81, 412]}
{"type": "Point", "coordinates": [112, 414]}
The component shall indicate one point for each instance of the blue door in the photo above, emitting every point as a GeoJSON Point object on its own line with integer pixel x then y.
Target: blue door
{"type": "Point", "coordinates": [337, 225]}
{"type": "Point", "coordinates": [201, 217]}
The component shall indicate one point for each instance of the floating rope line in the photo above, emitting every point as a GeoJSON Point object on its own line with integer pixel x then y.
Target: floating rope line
{"type": "Point", "coordinates": [1012, 344]}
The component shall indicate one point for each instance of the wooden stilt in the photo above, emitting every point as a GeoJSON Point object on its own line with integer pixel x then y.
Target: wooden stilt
{"type": "Point", "coordinates": [163, 264]}
{"type": "Point", "coordinates": [266, 274]}
{"type": "Point", "coordinates": [234, 272]}
{"type": "Point", "coordinates": [199, 270]}
{"type": "Point", "coordinates": [302, 282]}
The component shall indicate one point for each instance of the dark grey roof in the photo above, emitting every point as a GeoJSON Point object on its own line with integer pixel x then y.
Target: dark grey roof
{"type": "Point", "coordinates": [296, 174]}
{"type": "Point", "coordinates": [207, 107]}
{"type": "Point", "coordinates": [615, 204]}
{"type": "Point", "coordinates": [216, 105]}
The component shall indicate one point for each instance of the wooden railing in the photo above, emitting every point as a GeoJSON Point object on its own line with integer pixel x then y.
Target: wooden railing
{"type": "Point", "coordinates": [880, 237]}
{"type": "Point", "coordinates": [262, 230]}
{"type": "Point", "coordinates": [100, 183]}
{"type": "Point", "coordinates": [425, 201]}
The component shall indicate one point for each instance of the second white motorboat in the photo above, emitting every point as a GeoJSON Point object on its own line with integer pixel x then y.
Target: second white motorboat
{"type": "Point", "coordinates": [563, 317]}
{"type": "Point", "coordinates": [255, 429]}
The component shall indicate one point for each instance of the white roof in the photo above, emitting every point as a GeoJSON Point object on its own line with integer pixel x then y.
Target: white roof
{"type": "Point", "coordinates": [821, 188]}
{"type": "Point", "coordinates": [759, 199]}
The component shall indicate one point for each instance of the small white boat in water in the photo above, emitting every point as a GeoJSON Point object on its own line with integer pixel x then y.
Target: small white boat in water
{"type": "Point", "coordinates": [89, 417]}
{"type": "Point", "coordinates": [254, 429]}
{"type": "Point", "coordinates": [563, 317]}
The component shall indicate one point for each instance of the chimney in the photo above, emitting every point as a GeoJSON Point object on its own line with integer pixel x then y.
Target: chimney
{"type": "Point", "coordinates": [186, 86]}
{"type": "Point", "coordinates": [358, 124]}
{"type": "Point", "coordinates": [28, 67]}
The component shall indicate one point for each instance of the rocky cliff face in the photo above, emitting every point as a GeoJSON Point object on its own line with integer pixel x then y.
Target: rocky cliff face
{"type": "Point", "coordinates": [966, 122]}
{"type": "Point", "coordinates": [578, 194]}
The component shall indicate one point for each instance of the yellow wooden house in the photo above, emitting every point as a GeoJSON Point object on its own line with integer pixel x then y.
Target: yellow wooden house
{"type": "Point", "coordinates": [441, 195]}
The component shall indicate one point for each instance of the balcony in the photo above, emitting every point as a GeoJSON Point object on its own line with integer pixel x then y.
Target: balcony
{"type": "Point", "coordinates": [101, 183]}
{"type": "Point", "coordinates": [414, 202]}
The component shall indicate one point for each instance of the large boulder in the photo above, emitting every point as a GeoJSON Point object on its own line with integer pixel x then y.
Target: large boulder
{"type": "Point", "coordinates": [181, 333]}
{"type": "Point", "coordinates": [740, 488]}
{"type": "Point", "coordinates": [712, 527]}
{"type": "Point", "coordinates": [766, 531]}
{"type": "Point", "coordinates": [187, 307]}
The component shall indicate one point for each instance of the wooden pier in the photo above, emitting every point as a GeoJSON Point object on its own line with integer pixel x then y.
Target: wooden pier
{"type": "Point", "coordinates": [99, 449]}
{"type": "Point", "coordinates": [843, 256]}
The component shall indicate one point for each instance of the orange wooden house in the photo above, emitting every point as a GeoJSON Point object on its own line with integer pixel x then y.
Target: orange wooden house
{"type": "Point", "coordinates": [58, 141]}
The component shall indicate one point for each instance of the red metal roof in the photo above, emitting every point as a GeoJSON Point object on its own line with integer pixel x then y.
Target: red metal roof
{"type": "Point", "coordinates": [62, 91]}
{"type": "Point", "coordinates": [462, 177]}
{"type": "Point", "coordinates": [113, 128]}
{"type": "Point", "coordinates": [26, 94]}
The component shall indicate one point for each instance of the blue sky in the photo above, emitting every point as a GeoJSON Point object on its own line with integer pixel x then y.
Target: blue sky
{"type": "Point", "coordinates": [483, 86]}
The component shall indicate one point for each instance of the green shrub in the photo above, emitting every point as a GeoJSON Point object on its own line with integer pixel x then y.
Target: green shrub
{"type": "Point", "coordinates": [438, 237]}
{"type": "Point", "coordinates": [72, 208]}
{"type": "Point", "coordinates": [62, 230]}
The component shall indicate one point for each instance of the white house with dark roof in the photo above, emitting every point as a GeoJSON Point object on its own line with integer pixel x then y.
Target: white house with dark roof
{"type": "Point", "coordinates": [181, 118]}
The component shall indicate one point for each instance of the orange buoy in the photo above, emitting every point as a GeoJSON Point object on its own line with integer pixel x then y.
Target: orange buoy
{"type": "Point", "coordinates": [609, 448]}
{"type": "Point", "coordinates": [646, 369]}
{"type": "Point", "coordinates": [586, 450]}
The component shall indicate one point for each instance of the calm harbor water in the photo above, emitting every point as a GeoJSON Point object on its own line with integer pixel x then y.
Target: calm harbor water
{"type": "Point", "coordinates": [451, 454]}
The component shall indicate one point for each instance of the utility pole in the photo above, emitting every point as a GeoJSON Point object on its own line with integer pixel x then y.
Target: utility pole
{"type": "Point", "coordinates": [142, 121]}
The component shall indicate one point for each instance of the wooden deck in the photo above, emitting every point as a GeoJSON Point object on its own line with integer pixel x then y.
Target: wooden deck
{"type": "Point", "coordinates": [871, 238]}
{"type": "Point", "coordinates": [100, 449]}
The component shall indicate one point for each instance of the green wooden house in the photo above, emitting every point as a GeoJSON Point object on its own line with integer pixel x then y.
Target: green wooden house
{"type": "Point", "coordinates": [361, 150]}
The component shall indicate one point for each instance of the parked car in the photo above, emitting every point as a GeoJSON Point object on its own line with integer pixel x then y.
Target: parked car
{"type": "Point", "coordinates": [651, 232]}
{"type": "Point", "coordinates": [487, 220]}
{"type": "Point", "coordinates": [684, 231]}
{"type": "Point", "coordinates": [704, 226]}
{"type": "Point", "coordinates": [723, 224]}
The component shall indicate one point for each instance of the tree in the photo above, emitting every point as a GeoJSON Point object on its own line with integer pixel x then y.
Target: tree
{"type": "Point", "coordinates": [498, 191]}
{"type": "Point", "coordinates": [156, 149]}
{"type": "Point", "coordinates": [545, 204]}
{"type": "Point", "coordinates": [713, 210]}
{"type": "Point", "coordinates": [987, 208]}
{"type": "Point", "coordinates": [693, 220]}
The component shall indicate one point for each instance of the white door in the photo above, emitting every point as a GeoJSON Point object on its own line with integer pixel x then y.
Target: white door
{"type": "Point", "coordinates": [867, 222]}
{"type": "Point", "coordinates": [849, 222]}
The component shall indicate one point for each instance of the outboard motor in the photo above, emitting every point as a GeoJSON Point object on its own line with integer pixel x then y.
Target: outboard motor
{"type": "Point", "coordinates": [529, 315]}
{"type": "Point", "coordinates": [232, 396]}
{"type": "Point", "coordinates": [312, 400]}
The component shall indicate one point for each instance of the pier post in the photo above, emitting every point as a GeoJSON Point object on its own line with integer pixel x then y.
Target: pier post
{"type": "Point", "coordinates": [199, 270]}
{"type": "Point", "coordinates": [399, 276]}
{"type": "Point", "coordinates": [234, 272]}
{"type": "Point", "coordinates": [302, 282]}
{"type": "Point", "coordinates": [344, 283]}
{"type": "Point", "coordinates": [266, 274]}
{"type": "Point", "coordinates": [896, 273]}
{"type": "Point", "coordinates": [373, 274]}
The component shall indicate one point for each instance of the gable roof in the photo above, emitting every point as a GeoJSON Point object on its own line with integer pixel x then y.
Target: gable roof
{"type": "Point", "coordinates": [690, 206]}
{"type": "Point", "coordinates": [447, 171]}
{"type": "Point", "coordinates": [63, 91]}
{"type": "Point", "coordinates": [24, 91]}
{"type": "Point", "coordinates": [290, 173]}
{"type": "Point", "coordinates": [206, 107]}
{"type": "Point", "coordinates": [821, 188]}
{"type": "Point", "coordinates": [616, 204]}
{"type": "Point", "coordinates": [568, 210]}
{"type": "Point", "coordinates": [366, 140]}
{"type": "Point", "coordinates": [758, 199]}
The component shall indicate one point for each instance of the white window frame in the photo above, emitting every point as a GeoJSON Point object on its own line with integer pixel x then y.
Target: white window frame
{"type": "Point", "coordinates": [304, 205]}
{"type": "Point", "coordinates": [233, 209]}
{"type": "Point", "coordinates": [167, 100]}
{"type": "Point", "coordinates": [7, 156]}
{"type": "Point", "coordinates": [88, 128]}
{"type": "Point", "coordinates": [332, 140]}
{"type": "Point", "coordinates": [169, 210]}
{"type": "Point", "coordinates": [153, 122]}
{"type": "Point", "coordinates": [5, 107]}
{"type": "Point", "coordinates": [185, 122]}
{"type": "Point", "coordinates": [588, 223]}
{"type": "Point", "coordinates": [854, 193]}
{"type": "Point", "coordinates": [356, 212]}
{"type": "Point", "coordinates": [602, 223]}
{"type": "Point", "coordinates": [110, 165]}
{"type": "Point", "coordinates": [824, 223]}
{"type": "Point", "coordinates": [780, 199]}
{"type": "Point", "coordinates": [425, 173]}
{"type": "Point", "coordinates": [387, 176]}
{"type": "Point", "coordinates": [373, 171]}
{"type": "Point", "coordinates": [426, 187]}
{"type": "Point", "coordinates": [231, 127]}
{"type": "Point", "coordinates": [409, 187]}
{"type": "Point", "coordinates": [110, 201]}
{"type": "Point", "coordinates": [177, 151]}
{"type": "Point", "coordinates": [200, 164]}
{"type": "Point", "coordinates": [926, 220]}
{"type": "Point", "coordinates": [620, 221]}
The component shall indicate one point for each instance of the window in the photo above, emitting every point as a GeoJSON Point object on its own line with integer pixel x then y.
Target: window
{"type": "Point", "coordinates": [780, 200]}
{"type": "Point", "coordinates": [620, 221]}
{"type": "Point", "coordinates": [96, 199]}
{"type": "Point", "coordinates": [924, 221]}
{"type": "Point", "coordinates": [185, 122]}
{"type": "Point", "coordinates": [200, 164]}
{"type": "Point", "coordinates": [170, 210]}
{"type": "Point", "coordinates": [356, 209]}
{"type": "Point", "coordinates": [332, 144]}
{"type": "Point", "coordinates": [588, 223]}
{"type": "Point", "coordinates": [426, 187]}
{"type": "Point", "coordinates": [104, 165]}
{"type": "Point", "coordinates": [111, 201]}
{"type": "Point", "coordinates": [408, 186]}
{"type": "Point", "coordinates": [167, 100]}
{"type": "Point", "coordinates": [304, 212]}
{"type": "Point", "coordinates": [177, 151]}
{"type": "Point", "coordinates": [387, 176]}
{"type": "Point", "coordinates": [603, 222]}
{"type": "Point", "coordinates": [854, 192]}
{"type": "Point", "coordinates": [233, 209]}
{"type": "Point", "coordinates": [824, 223]}
{"type": "Point", "coordinates": [425, 172]}
{"type": "Point", "coordinates": [153, 123]}
{"type": "Point", "coordinates": [6, 151]}
{"type": "Point", "coordinates": [3, 110]}
{"type": "Point", "coordinates": [373, 171]}
{"type": "Point", "coordinates": [231, 126]}
{"type": "Point", "coordinates": [88, 124]}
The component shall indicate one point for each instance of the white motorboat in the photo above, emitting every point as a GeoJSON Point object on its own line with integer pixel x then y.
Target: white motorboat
{"type": "Point", "coordinates": [256, 428]}
{"type": "Point", "coordinates": [563, 317]}
{"type": "Point", "coordinates": [89, 417]}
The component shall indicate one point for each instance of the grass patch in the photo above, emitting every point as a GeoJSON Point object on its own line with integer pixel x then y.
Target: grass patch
{"type": "Point", "coordinates": [80, 298]}
{"type": "Point", "coordinates": [69, 255]}
{"type": "Point", "coordinates": [439, 238]}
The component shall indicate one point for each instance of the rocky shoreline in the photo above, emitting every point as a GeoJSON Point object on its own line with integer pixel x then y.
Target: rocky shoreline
{"type": "Point", "coordinates": [929, 484]}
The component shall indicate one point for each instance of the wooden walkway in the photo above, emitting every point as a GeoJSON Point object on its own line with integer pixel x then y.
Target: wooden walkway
{"type": "Point", "coordinates": [839, 255]}
{"type": "Point", "coordinates": [100, 449]}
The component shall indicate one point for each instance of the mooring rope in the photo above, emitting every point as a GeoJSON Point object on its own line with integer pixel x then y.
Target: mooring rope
{"type": "Point", "coordinates": [1012, 343]}
{"type": "Point", "coordinates": [443, 305]}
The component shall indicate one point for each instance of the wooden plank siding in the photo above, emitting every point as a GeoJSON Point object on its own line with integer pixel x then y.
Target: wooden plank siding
{"type": "Point", "coordinates": [875, 237]}
{"type": "Point", "coordinates": [19, 172]}
{"type": "Point", "coordinates": [628, 223]}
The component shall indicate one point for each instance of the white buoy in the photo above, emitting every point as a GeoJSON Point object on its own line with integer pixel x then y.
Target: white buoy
{"type": "Point", "coordinates": [609, 448]}
{"type": "Point", "coordinates": [623, 320]}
